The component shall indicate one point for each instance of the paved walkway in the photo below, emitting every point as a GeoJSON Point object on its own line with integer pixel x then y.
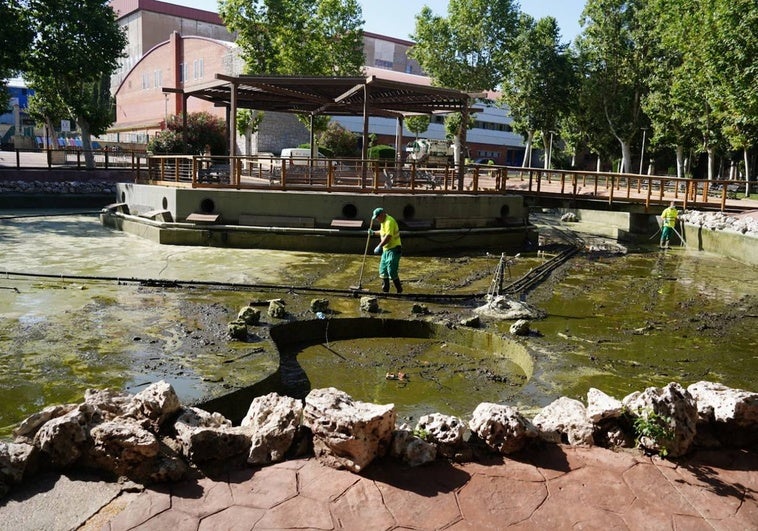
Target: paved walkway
{"type": "Point", "coordinates": [555, 487]}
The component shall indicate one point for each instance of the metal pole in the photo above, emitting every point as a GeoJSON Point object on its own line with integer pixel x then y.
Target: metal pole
{"type": "Point", "coordinates": [642, 153]}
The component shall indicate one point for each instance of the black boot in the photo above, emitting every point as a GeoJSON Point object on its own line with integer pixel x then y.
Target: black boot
{"type": "Point", "coordinates": [385, 285]}
{"type": "Point", "coordinates": [398, 286]}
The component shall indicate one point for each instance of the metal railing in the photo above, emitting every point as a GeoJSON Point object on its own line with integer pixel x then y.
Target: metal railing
{"type": "Point", "coordinates": [73, 158]}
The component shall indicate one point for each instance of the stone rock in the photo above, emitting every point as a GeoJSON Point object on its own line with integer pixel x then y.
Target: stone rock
{"type": "Point", "coordinates": [109, 403]}
{"type": "Point", "coordinates": [675, 407]}
{"type": "Point", "coordinates": [520, 328]}
{"type": "Point", "coordinates": [501, 427]}
{"type": "Point", "coordinates": [346, 433]}
{"type": "Point", "coordinates": [729, 416]}
{"type": "Point", "coordinates": [249, 316]}
{"type": "Point", "coordinates": [319, 305]}
{"type": "Point", "coordinates": [206, 437]}
{"type": "Point", "coordinates": [154, 405]}
{"type": "Point", "coordinates": [122, 447]}
{"type": "Point", "coordinates": [502, 307]}
{"type": "Point", "coordinates": [61, 439]}
{"type": "Point", "coordinates": [15, 460]}
{"type": "Point", "coordinates": [237, 329]}
{"type": "Point", "coordinates": [471, 322]}
{"type": "Point", "coordinates": [446, 431]}
{"type": "Point", "coordinates": [569, 217]}
{"type": "Point", "coordinates": [602, 406]}
{"type": "Point", "coordinates": [27, 429]}
{"type": "Point", "coordinates": [369, 304]}
{"type": "Point", "coordinates": [272, 422]}
{"type": "Point", "coordinates": [276, 309]}
{"type": "Point", "coordinates": [419, 309]}
{"type": "Point", "coordinates": [411, 449]}
{"type": "Point", "coordinates": [565, 419]}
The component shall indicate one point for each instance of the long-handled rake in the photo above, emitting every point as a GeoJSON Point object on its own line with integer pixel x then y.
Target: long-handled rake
{"type": "Point", "coordinates": [359, 287]}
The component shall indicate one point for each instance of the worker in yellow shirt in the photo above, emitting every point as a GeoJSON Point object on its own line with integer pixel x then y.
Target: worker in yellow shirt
{"type": "Point", "coordinates": [669, 218]}
{"type": "Point", "coordinates": [390, 248]}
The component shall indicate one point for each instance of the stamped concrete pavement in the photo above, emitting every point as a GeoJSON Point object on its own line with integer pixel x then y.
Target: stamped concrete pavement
{"type": "Point", "coordinates": [553, 487]}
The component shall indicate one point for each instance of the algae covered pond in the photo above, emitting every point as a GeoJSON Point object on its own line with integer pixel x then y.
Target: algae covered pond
{"type": "Point", "coordinates": [616, 323]}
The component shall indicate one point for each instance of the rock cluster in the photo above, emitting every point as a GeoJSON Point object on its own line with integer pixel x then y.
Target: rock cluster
{"type": "Point", "coordinates": [58, 187]}
{"type": "Point", "coordinates": [743, 223]}
{"type": "Point", "coordinates": [150, 437]}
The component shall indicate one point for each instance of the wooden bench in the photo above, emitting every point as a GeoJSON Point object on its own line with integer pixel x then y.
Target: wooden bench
{"type": "Point", "coordinates": [158, 215]}
{"type": "Point", "coordinates": [259, 220]}
{"type": "Point", "coordinates": [203, 218]}
{"type": "Point", "coordinates": [454, 223]}
{"type": "Point", "coordinates": [347, 224]}
{"type": "Point", "coordinates": [418, 224]}
{"type": "Point", "coordinates": [121, 208]}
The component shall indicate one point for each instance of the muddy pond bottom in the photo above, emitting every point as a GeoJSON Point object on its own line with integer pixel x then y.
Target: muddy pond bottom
{"type": "Point", "coordinates": [419, 376]}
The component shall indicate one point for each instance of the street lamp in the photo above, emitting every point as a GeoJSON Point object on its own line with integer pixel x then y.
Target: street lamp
{"type": "Point", "coordinates": [642, 152]}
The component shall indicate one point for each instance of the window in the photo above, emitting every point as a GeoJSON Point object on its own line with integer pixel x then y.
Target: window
{"type": "Point", "coordinates": [197, 67]}
{"type": "Point", "coordinates": [384, 54]}
{"type": "Point", "coordinates": [158, 79]}
{"type": "Point", "coordinates": [145, 80]}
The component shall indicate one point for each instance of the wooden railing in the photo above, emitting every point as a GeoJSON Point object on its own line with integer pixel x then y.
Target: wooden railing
{"type": "Point", "coordinates": [75, 158]}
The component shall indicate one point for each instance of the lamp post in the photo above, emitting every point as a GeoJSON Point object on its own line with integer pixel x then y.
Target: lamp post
{"type": "Point", "coordinates": [642, 152]}
{"type": "Point", "coordinates": [550, 151]}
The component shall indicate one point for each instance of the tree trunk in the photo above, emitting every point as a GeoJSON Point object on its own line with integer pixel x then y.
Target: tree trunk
{"type": "Point", "coordinates": [711, 162]}
{"type": "Point", "coordinates": [680, 161]}
{"type": "Point", "coordinates": [89, 157]}
{"type": "Point", "coordinates": [526, 163]}
{"type": "Point", "coordinates": [747, 174]}
{"type": "Point", "coordinates": [626, 152]}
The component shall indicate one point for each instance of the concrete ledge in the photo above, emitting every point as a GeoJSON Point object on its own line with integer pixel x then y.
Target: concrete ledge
{"type": "Point", "coordinates": [418, 224]}
{"type": "Point", "coordinates": [257, 220]}
{"type": "Point", "coordinates": [450, 223]}
{"type": "Point", "coordinates": [158, 215]}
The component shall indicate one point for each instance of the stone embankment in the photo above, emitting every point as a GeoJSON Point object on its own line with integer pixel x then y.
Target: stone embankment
{"type": "Point", "coordinates": [745, 223]}
{"type": "Point", "coordinates": [150, 437]}
{"type": "Point", "coordinates": [58, 187]}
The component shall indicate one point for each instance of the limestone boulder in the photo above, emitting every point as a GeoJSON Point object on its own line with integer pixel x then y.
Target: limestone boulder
{"type": "Point", "coordinates": [601, 406]}
{"type": "Point", "coordinates": [565, 420]}
{"type": "Point", "coordinates": [726, 416]}
{"type": "Point", "coordinates": [16, 460]}
{"type": "Point", "coordinates": [63, 438]}
{"type": "Point", "coordinates": [347, 434]}
{"type": "Point", "coordinates": [411, 449]}
{"type": "Point", "coordinates": [369, 304]}
{"type": "Point", "coordinates": [502, 428]}
{"type": "Point", "coordinates": [122, 447]}
{"type": "Point", "coordinates": [520, 328]}
{"type": "Point", "coordinates": [154, 405]}
{"type": "Point", "coordinates": [28, 428]}
{"type": "Point", "coordinates": [272, 421]}
{"type": "Point", "coordinates": [108, 403]}
{"type": "Point", "coordinates": [249, 315]}
{"type": "Point", "coordinates": [209, 437]}
{"type": "Point", "coordinates": [446, 431]}
{"type": "Point", "coordinates": [670, 413]}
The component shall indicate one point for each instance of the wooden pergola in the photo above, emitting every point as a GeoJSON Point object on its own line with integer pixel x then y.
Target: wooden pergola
{"type": "Point", "coordinates": [336, 96]}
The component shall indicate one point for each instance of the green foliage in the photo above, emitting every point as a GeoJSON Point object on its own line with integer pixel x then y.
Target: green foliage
{"type": "Point", "coordinates": [381, 152]}
{"type": "Point", "coordinates": [16, 38]}
{"type": "Point", "coordinates": [421, 434]}
{"type": "Point", "coordinates": [418, 124]}
{"type": "Point", "coordinates": [466, 50]}
{"type": "Point", "coordinates": [203, 129]}
{"type": "Point", "coordinates": [297, 37]}
{"type": "Point", "coordinates": [339, 141]}
{"type": "Point", "coordinates": [248, 120]}
{"type": "Point", "coordinates": [653, 426]}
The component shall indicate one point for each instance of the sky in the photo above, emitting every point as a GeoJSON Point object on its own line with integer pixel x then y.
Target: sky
{"type": "Point", "coordinates": [396, 18]}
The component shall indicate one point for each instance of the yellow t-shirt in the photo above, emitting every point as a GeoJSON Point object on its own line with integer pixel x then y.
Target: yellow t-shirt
{"type": "Point", "coordinates": [669, 217]}
{"type": "Point", "coordinates": [389, 226]}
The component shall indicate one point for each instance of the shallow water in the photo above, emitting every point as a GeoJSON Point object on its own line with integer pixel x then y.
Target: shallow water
{"type": "Point", "coordinates": [618, 324]}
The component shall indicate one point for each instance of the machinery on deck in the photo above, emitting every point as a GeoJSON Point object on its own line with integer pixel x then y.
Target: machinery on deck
{"type": "Point", "coordinates": [430, 152]}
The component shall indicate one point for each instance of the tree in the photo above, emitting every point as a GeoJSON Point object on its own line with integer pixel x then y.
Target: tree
{"type": "Point", "coordinates": [75, 50]}
{"type": "Point", "coordinates": [340, 141]}
{"type": "Point", "coordinates": [539, 87]}
{"type": "Point", "coordinates": [298, 37]}
{"type": "Point", "coordinates": [614, 64]}
{"type": "Point", "coordinates": [16, 36]}
{"type": "Point", "coordinates": [418, 124]}
{"type": "Point", "coordinates": [466, 50]}
{"type": "Point", "coordinates": [248, 122]}
{"type": "Point", "coordinates": [202, 129]}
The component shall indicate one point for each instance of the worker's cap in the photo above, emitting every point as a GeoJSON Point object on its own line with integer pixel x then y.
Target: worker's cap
{"type": "Point", "coordinates": [377, 212]}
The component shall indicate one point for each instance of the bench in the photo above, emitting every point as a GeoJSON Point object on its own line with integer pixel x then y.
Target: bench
{"type": "Point", "coordinates": [418, 224]}
{"type": "Point", "coordinates": [259, 220]}
{"type": "Point", "coordinates": [121, 208]}
{"type": "Point", "coordinates": [347, 224]}
{"type": "Point", "coordinates": [158, 215]}
{"type": "Point", "coordinates": [203, 218]}
{"type": "Point", "coordinates": [456, 223]}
